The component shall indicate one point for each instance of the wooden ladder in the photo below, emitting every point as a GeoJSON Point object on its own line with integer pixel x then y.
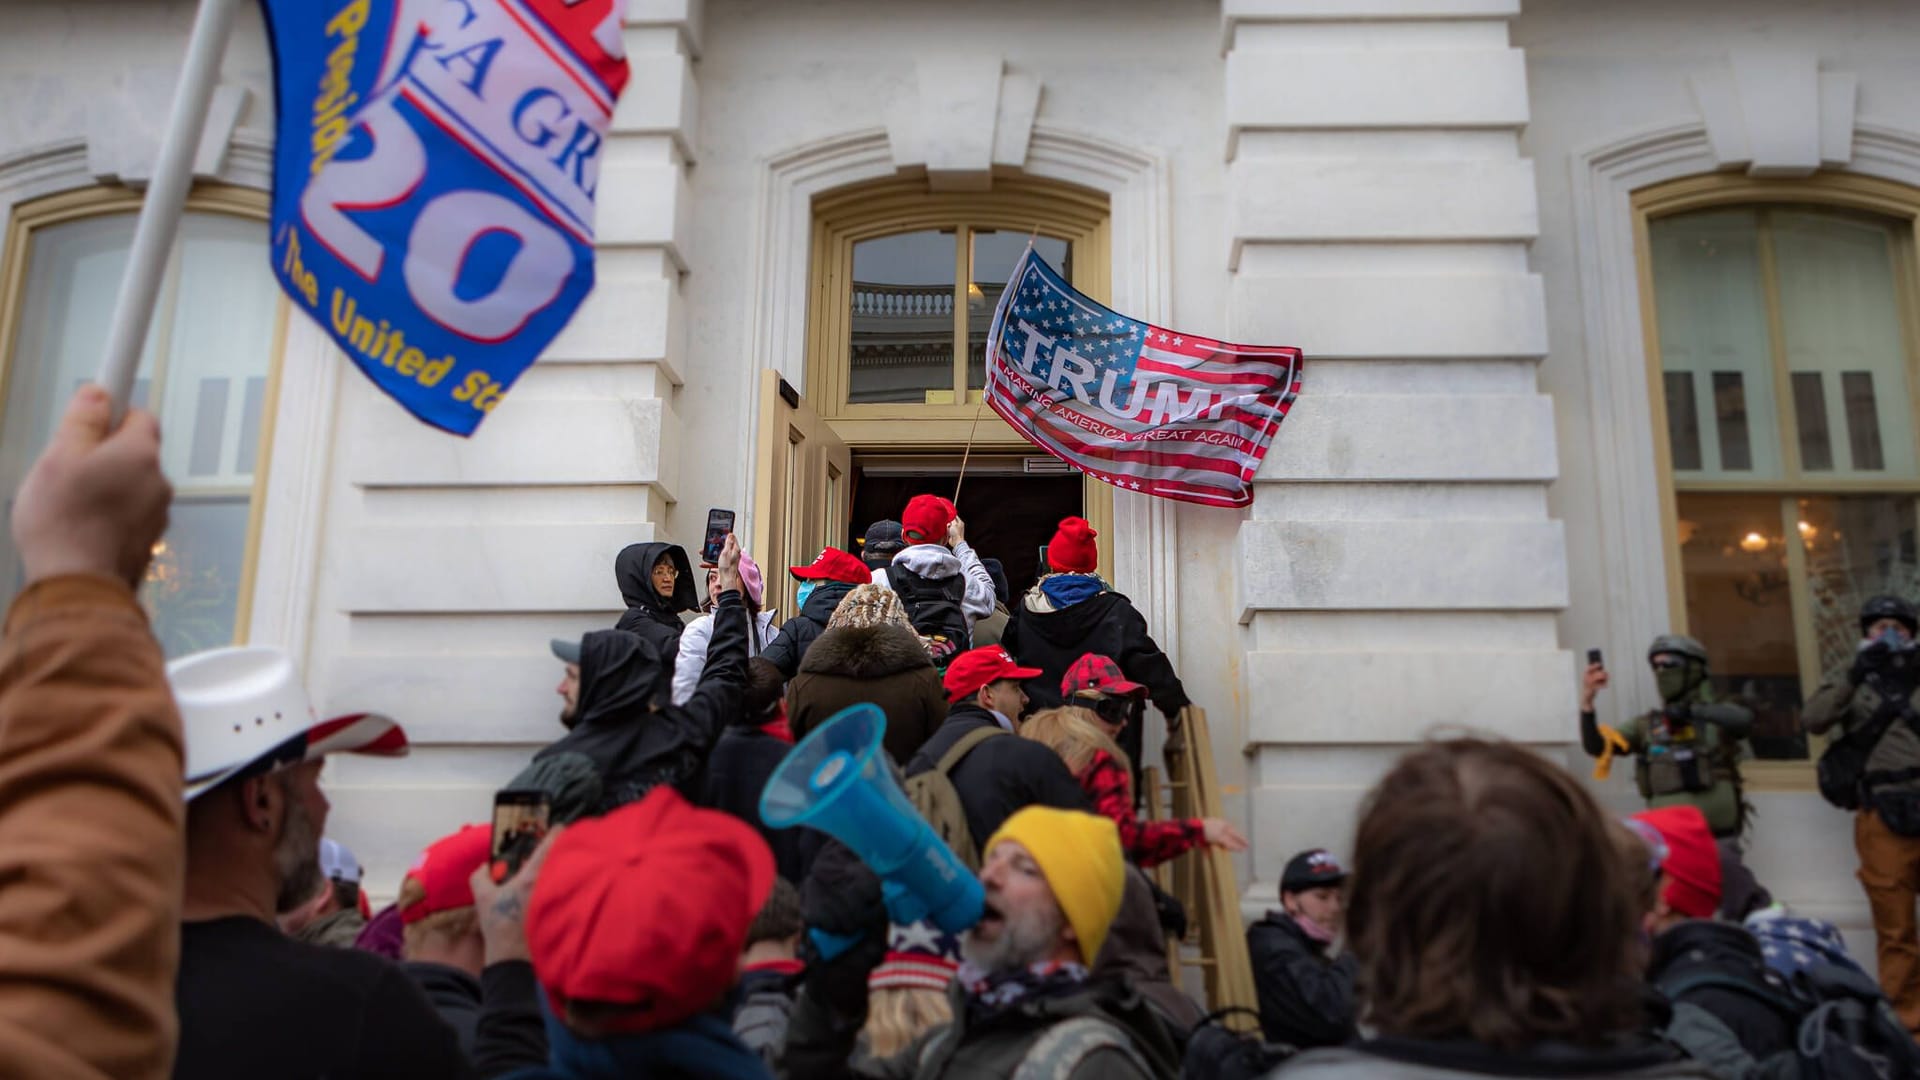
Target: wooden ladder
{"type": "Point", "coordinates": [1203, 880]}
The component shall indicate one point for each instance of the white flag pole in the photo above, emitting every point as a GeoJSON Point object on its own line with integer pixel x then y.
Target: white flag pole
{"type": "Point", "coordinates": [159, 222]}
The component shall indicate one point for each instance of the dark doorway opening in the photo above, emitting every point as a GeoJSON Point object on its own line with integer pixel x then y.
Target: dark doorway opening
{"type": "Point", "coordinates": [1009, 513]}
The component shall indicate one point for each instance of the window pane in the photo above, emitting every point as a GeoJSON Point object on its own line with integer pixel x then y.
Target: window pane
{"type": "Point", "coordinates": [994, 253]}
{"type": "Point", "coordinates": [1842, 325]}
{"type": "Point", "coordinates": [1712, 316]}
{"type": "Point", "coordinates": [1810, 416]}
{"type": "Point", "coordinates": [193, 587]}
{"type": "Point", "coordinates": [1857, 547]}
{"type": "Point", "coordinates": [1730, 417]}
{"type": "Point", "coordinates": [1683, 421]}
{"type": "Point", "coordinates": [902, 336]}
{"type": "Point", "coordinates": [1733, 560]}
{"type": "Point", "coordinates": [204, 370]}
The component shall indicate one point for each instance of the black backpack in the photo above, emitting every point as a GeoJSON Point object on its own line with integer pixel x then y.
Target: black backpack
{"type": "Point", "coordinates": [933, 606]}
{"type": "Point", "coordinates": [1842, 771]}
{"type": "Point", "coordinates": [1217, 1052]}
{"type": "Point", "coordinates": [1845, 1029]}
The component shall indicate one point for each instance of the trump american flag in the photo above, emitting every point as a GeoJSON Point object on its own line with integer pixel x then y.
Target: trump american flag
{"type": "Point", "coordinates": [1136, 405]}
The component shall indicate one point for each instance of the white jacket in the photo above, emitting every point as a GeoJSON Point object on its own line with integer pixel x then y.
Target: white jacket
{"type": "Point", "coordinates": [693, 652]}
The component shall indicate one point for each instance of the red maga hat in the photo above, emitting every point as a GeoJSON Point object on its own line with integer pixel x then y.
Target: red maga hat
{"type": "Point", "coordinates": [835, 565]}
{"type": "Point", "coordinates": [648, 908]}
{"type": "Point", "coordinates": [976, 668]}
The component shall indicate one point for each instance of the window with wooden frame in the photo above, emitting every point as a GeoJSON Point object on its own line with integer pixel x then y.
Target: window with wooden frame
{"type": "Point", "coordinates": [208, 371]}
{"type": "Point", "coordinates": [1783, 327]}
{"type": "Point", "coordinates": [904, 285]}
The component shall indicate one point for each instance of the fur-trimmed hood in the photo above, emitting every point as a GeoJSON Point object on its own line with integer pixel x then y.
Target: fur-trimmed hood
{"type": "Point", "coordinates": [866, 652]}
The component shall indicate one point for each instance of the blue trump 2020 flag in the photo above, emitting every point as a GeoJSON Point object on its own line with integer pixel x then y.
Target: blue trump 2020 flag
{"type": "Point", "coordinates": [433, 181]}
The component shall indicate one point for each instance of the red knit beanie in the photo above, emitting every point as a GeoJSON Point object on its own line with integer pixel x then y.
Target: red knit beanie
{"type": "Point", "coordinates": [1072, 550]}
{"type": "Point", "coordinates": [1693, 860]}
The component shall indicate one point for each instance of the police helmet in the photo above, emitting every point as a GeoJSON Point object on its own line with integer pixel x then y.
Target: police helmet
{"type": "Point", "coordinates": [1888, 606]}
{"type": "Point", "coordinates": [1677, 645]}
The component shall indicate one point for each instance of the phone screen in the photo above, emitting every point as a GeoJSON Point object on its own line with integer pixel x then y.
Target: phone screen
{"type": "Point", "coordinates": [719, 524]}
{"type": "Point", "coordinates": [520, 819]}
{"type": "Point", "coordinates": [1593, 657]}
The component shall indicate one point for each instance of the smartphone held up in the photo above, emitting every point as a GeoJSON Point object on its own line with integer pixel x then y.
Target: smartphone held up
{"type": "Point", "coordinates": [719, 524]}
{"type": "Point", "coordinates": [520, 821]}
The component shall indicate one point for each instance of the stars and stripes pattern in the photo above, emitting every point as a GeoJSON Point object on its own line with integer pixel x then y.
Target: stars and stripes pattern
{"type": "Point", "coordinates": [1139, 406]}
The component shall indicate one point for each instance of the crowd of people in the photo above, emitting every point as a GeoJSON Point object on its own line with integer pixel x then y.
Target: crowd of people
{"type": "Point", "coordinates": [173, 907]}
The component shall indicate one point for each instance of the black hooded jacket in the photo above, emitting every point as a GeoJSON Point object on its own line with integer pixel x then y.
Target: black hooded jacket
{"type": "Point", "coordinates": [1107, 624]}
{"type": "Point", "coordinates": [623, 723]}
{"type": "Point", "coordinates": [649, 614]}
{"type": "Point", "coordinates": [796, 636]}
{"type": "Point", "coordinates": [1306, 999]}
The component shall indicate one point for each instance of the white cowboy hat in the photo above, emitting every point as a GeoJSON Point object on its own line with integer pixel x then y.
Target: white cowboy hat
{"type": "Point", "coordinates": [245, 710]}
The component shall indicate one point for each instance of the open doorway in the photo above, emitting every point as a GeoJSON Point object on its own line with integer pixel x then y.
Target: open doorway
{"type": "Point", "coordinates": [1010, 510]}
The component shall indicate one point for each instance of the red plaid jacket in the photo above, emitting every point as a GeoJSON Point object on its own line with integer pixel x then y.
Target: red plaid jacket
{"type": "Point", "coordinates": [1148, 843]}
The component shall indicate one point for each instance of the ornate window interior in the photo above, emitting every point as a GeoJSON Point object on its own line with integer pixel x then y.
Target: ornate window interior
{"type": "Point", "coordinates": [208, 371]}
{"type": "Point", "coordinates": [1781, 327]}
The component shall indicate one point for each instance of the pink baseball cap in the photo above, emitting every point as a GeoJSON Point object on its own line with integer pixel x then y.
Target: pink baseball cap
{"type": "Point", "coordinates": [750, 577]}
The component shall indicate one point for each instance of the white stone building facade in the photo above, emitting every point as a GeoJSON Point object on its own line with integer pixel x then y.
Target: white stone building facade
{"type": "Point", "coordinates": [1453, 206]}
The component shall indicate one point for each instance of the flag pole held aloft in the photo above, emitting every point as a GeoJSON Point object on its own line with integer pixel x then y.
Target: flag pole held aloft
{"type": "Point", "coordinates": [166, 196]}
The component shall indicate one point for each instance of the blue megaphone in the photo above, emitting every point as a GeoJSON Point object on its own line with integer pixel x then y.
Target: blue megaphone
{"type": "Point", "coordinates": [838, 781]}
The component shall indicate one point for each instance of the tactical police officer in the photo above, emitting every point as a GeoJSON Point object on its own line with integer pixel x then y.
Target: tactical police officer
{"type": "Point", "coordinates": [1873, 767]}
{"type": "Point", "coordinates": [1688, 749]}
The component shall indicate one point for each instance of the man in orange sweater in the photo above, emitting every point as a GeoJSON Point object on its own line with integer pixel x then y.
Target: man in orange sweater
{"type": "Point", "coordinates": [91, 813]}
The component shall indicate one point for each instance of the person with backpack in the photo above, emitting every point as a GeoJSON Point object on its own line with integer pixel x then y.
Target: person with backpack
{"type": "Point", "coordinates": [823, 584]}
{"type": "Point", "coordinates": [1732, 999]}
{"type": "Point", "coordinates": [939, 578]}
{"type": "Point", "coordinates": [991, 773]}
{"type": "Point", "coordinates": [1873, 769]}
{"type": "Point", "coordinates": [1025, 1002]}
{"type": "Point", "coordinates": [1715, 966]}
{"type": "Point", "coordinates": [1688, 750]}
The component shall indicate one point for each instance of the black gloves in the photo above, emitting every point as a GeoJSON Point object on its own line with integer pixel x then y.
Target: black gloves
{"type": "Point", "coordinates": [843, 898]}
{"type": "Point", "coordinates": [1679, 712]}
{"type": "Point", "coordinates": [1869, 660]}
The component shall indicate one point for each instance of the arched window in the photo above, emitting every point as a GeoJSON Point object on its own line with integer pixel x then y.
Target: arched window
{"type": "Point", "coordinates": [207, 372]}
{"type": "Point", "coordinates": [1782, 320]}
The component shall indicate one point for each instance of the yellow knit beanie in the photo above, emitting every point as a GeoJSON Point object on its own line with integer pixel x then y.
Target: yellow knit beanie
{"type": "Point", "coordinates": [1079, 855]}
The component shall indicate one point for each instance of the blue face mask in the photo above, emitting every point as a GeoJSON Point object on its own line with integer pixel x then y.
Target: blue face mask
{"type": "Point", "coordinates": [806, 590]}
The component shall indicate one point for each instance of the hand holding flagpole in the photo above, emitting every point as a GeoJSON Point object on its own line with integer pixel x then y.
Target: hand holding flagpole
{"type": "Point", "coordinates": [166, 195]}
